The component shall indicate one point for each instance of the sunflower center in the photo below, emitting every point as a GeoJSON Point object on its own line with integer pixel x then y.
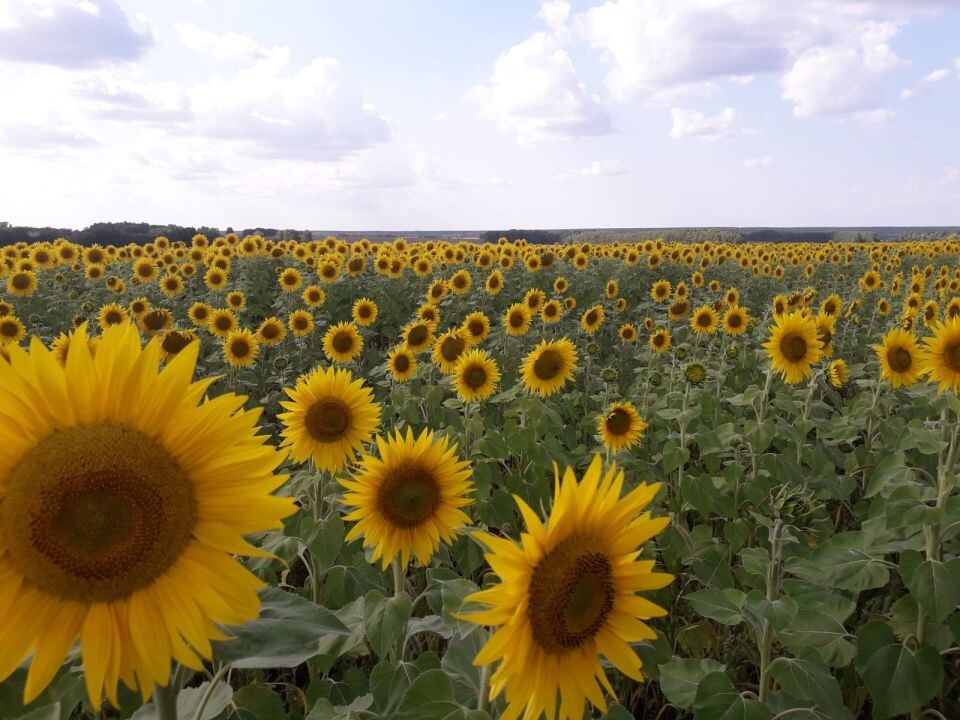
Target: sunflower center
{"type": "Point", "coordinates": [240, 348]}
{"type": "Point", "coordinates": [363, 311]}
{"type": "Point", "coordinates": [300, 323]}
{"type": "Point", "coordinates": [618, 422]}
{"type": "Point", "coordinates": [95, 512]}
{"type": "Point", "coordinates": [343, 342]}
{"type": "Point", "coordinates": [174, 342]}
{"type": "Point", "coordinates": [734, 321]}
{"type": "Point", "coordinates": [703, 320]}
{"type": "Point", "coordinates": [899, 359]}
{"type": "Point", "coordinates": [591, 317]}
{"type": "Point", "coordinates": [571, 595]}
{"type": "Point", "coordinates": [21, 281]}
{"type": "Point", "coordinates": [9, 329]}
{"type": "Point", "coordinates": [516, 320]}
{"type": "Point", "coordinates": [794, 348]}
{"type": "Point", "coordinates": [474, 377]}
{"type": "Point", "coordinates": [452, 348]}
{"type": "Point", "coordinates": [155, 320]}
{"type": "Point", "coordinates": [951, 356]}
{"type": "Point", "coordinates": [417, 336]}
{"type": "Point", "coordinates": [270, 331]}
{"type": "Point", "coordinates": [401, 363]}
{"type": "Point", "coordinates": [409, 496]}
{"type": "Point", "coordinates": [475, 328]}
{"type": "Point", "coordinates": [327, 421]}
{"type": "Point", "coordinates": [548, 365]}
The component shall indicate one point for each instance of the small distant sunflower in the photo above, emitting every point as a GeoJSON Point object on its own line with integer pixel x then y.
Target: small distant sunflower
{"type": "Point", "coordinates": [551, 311]}
{"type": "Point", "coordinates": [215, 278]}
{"type": "Point", "coordinates": [831, 305]}
{"type": "Point", "coordinates": [570, 303]}
{"type": "Point", "coordinates": [704, 320]}
{"type": "Point", "coordinates": [156, 321]}
{"type": "Point", "coordinates": [199, 314]}
{"type": "Point", "coordinates": [330, 417]}
{"type": "Point", "coordinates": [236, 300]}
{"type": "Point", "coordinates": [145, 270]}
{"type": "Point", "coordinates": [695, 373]}
{"type": "Point", "coordinates": [678, 309]}
{"type": "Point", "coordinates": [476, 327]}
{"type": "Point", "coordinates": [628, 333]}
{"type": "Point", "coordinates": [793, 346]}
{"type": "Point", "coordinates": [428, 312]}
{"type": "Point", "coordinates": [342, 342]}
{"type": "Point", "coordinates": [314, 296]}
{"type": "Point", "coordinates": [475, 376]}
{"type": "Point", "coordinates": [418, 336]}
{"type": "Point", "coordinates": [460, 282]}
{"type": "Point", "coordinates": [494, 283]}
{"type": "Point", "coordinates": [300, 323]}
{"type": "Point", "coordinates": [437, 290]}
{"type": "Point", "coordinates": [112, 314]}
{"type": "Point", "coordinates": [560, 285]}
{"type": "Point", "coordinates": [516, 321]}
{"type": "Point", "coordinates": [838, 373]}
{"type": "Point", "coordinates": [533, 299]}
{"type": "Point", "coordinates": [271, 332]}
{"type": "Point", "coordinates": [660, 340]}
{"type": "Point", "coordinates": [612, 289]}
{"type": "Point", "coordinates": [592, 319]}
{"type": "Point", "coordinates": [448, 348]}
{"type": "Point", "coordinates": [621, 427]}
{"type": "Point", "coordinates": [222, 322]}
{"type": "Point", "coordinates": [139, 307]}
{"type": "Point", "coordinates": [940, 360]}
{"type": "Point", "coordinates": [568, 594]}
{"type": "Point", "coordinates": [402, 363]}
{"type": "Point", "coordinates": [240, 348]}
{"type": "Point", "coordinates": [735, 320]}
{"type": "Point", "coordinates": [780, 305]}
{"type": "Point", "coordinates": [11, 330]}
{"type": "Point", "coordinates": [365, 312]}
{"type": "Point", "coordinates": [826, 326]}
{"type": "Point", "coordinates": [548, 367]}
{"type": "Point", "coordinates": [410, 499]}
{"type": "Point", "coordinates": [290, 280]}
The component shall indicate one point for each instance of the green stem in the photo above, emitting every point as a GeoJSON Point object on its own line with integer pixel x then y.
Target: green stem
{"type": "Point", "coordinates": [773, 590]}
{"type": "Point", "coordinates": [209, 692]}
{"type": "Point", "coordinates": [483, 691]}
{"type": "Point", "coordinates": [398, 588]}
{"type": "Point", "coordinates": [165, 698]}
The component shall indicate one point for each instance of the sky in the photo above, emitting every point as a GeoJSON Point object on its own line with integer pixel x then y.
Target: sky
{"type": "Point", "coordinates": [457, 114]}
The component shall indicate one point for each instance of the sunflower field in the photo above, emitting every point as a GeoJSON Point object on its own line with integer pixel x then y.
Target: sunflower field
{"type": "Point", "coordinates": [246, 478]}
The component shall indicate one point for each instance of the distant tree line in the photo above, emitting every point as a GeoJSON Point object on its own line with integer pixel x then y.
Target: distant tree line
{"type": "Point", "coordinates": [535, 237]}
{"type": "Point", "coordinates": [121, 233]}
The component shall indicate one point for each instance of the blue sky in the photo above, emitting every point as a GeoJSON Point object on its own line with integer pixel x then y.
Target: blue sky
{"type": "Point", "coordinates": [454, 114]}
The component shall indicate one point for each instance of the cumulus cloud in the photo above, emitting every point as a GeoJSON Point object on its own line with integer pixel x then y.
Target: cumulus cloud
{"type": "Point", "coordinates": [71, 33]}
{"type": "Point", "coordinates": [930, 78]}
{"type": "Point", "coordinates": [758, 162]}
{"type": "Point", "coordinates": [692, 123]}
{"type": "Point", "coordinates": [598, 168]}
{"type": "Point", "coordinates": [226, 46]}
{"type": "Point", "coordinates": [535, 93]}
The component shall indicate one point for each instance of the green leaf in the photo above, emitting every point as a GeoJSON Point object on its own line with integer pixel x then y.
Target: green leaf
{"type": "Point", "coordinates": [189, 700]}
{"type": "Point", "coordinates": [680, 679]}
{"type": "Point", "coordinates": [717, 699]}
{"type": "Point", "coordinates": [900, 680]}
{"type": "Point", "coordinates": [260, 702]}
{"type": "Point", "coordinates": [674, 456]}
{"type": "Point", "coordinates": [724, 606]}
{"type": "Point", "coordinates": [289, 631]}
{"type": "Point", "coordinates": [326, 539]}
{"type": "Point", "coordinates": [47, 712]}
{"type": "Point", "coordinates": [822, 633]}
{"type": "Point", "coordinates": [845, 562]}
{"type": "Point", "coordinates": [936, 586]}
{"type": "Point", "coordinates": [430, 697]}
{"type": "Point", "coordinates": [389, 682]}
{"type": "Point", "coordinates": [385, 619]}
{"type": "Point", "coordinates": [890, 473]}
{"type": "Point", "coordinates": [617, 712]}
{"type": "Point", "coordinates": [812, 681]}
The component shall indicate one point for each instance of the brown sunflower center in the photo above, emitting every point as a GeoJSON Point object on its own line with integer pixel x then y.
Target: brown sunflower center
{"type": "Point", "coordinates": [548, 365]}
{"type": "Point", "coordinates": [704, 320]}
{"type": "Point", "coordinates": [20, 281]}
{"type": "Point", "coordinates": [270, 331]}
{"type": "Point", "coordinates": [355, 265]}
{"type": "Point", "coordinates": [550, 310]}
{"type": "Point", "coordinates": [113, 317]}
{"type": "Point", "coordinates": [327, 421]}
{"type": "Point", "coordinates": [735, 320]}
{"type": "Point", "coordinates": [459, 282]}
{"type": "Point", "coordinates": [155, 320]}
{"type": "Point", "coordinates": [475, 328]}
{"type": "Point", "coordinates": [452, 347]}
{"type": "Point", "coordinates": [571, 595]}
{"type": "Point", "coordinates": [174, 342]}
{"type": "Point", "coordinates": [223, 322]}
{"type": "Point", "coordinates": [240, 348]}
{"type": "Point", "coordinates": [364, 311]}
{"type": "Point", "coordinates": [408, 496]}
{"type": "Point", "coordinates": [401, 363]}
{"type": "Point", "coordinates": [475, 377]}
{"type": "Point", "coordinates": [9, 329]}
{"type": "Point", "coordinates": [899, 359]}
{"type": "Point", "coordinates": [793, 347]}
{"type": "Point", "coordinates": [343, 342]}
{"type": "Point", "coordinates": [95, 512]}
{"type": "Point", "coordinates": [618, 422]}
{"type": "Point", "coordinates": [951, 356]}
{"type": "Point", "coordinates": [418, 335]}
{"type": "Point", "coordinates": [313, 296]}
{"type": "Point", "coordinates": [591, 317]}
{"type": "Point", "coordinates": [516, 320]}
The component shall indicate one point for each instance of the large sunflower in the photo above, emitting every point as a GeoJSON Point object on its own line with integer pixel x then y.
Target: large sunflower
{"type": "Point", "coordinates": [941, 359]}
{"type": "Point", "coordinates": [568, 595]}
{"type": "Point", "coordinates": [735, 320]}
{"type": "Point", "coordinates": [900, 360]}
{"type": "Point", "coordinates": [240, 348]}
{"type": "Point", "coordinates": [124, 495]}
{"type": "Point", "coordinates": [410, 498]}
{"type": "Point", "coordinates": [475, 376]}
{"type": "Point", "coordinates": [418, 336]}
{"type": "Point", "coordinates": [793, 346]}
{"type": "Point", "coordinates": [448, 348]}
{"type": "Point", "coordinates": [549, 366]}
{"type": "Point", "coordinates": [704, 320]}
{"type": "Point", "coordinates": [621, 427]}
{"type": "Point", "coordinates": [331, 416]}
{"type": "Point", "coordinates": [342, 343]}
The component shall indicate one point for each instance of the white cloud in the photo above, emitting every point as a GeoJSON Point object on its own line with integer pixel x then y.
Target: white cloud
{"type": "Point", "coordinates": [555, 14]}
{"type": "Point", "coordinates": [758, 162]}
{"type": "Point", "coordinates": [741, 79]}
{"type": "Point", "coordinates": [228, 46]}
{"type": "Point", "coordinates": [935, 76]}
{"type": "Point", "coordinates": [877, 116]}
{"type": "Point", "coordinates": [71, 33]}
{"type": "Point", "coordinates": [692, 123]}
{"type": "Point", "coordinates": [956, 64]}
{"type": "Point", "coordinates": [598, 168]}
{"type": "Point", "coordinates": [535, 92]}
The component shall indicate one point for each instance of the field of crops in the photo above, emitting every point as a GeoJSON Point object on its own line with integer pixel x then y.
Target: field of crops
{"type": "Point", "coordinates": [250, 479]}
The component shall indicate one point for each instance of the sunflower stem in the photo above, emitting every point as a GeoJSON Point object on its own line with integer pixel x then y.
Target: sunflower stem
{"type": "Point", "coordinates": [165, 698]}
{"type": "Point", "coordinates": [773, 589]}
{"type": "Point", "coordinates": [482, 692]}
{"type": "Point", "coordinates": [398, 588]}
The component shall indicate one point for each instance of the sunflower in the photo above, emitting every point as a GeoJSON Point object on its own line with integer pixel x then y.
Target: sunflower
{"type": "Point", "coordinates": [494, 283]}
{"type": "Point", "coordinates": [171, 285]}
{"type": "Point", "coordinates": [448, 348]}
{"type": "Point", "coordinates": [793, 346]}
{"type": "Point", "coordinates": [22, 283]}
{"type": "Point", "coordinates": [418, 336]}
{"type": "Point", "coordinates": [548, 367]}
{"type": "Point", "coordinates": [838, 373]}
{"type": "Point", "coordinates": [11, 329]}
{"type": "Point", "coordinates": [900, 358]}
{"type": "Point", "coordinates": [314, 296]}
{"type": "Point", "coordinates": [941, 359]}
{"type": "Point", "coordinates": [271, 332]}
{"type": "Point", "coordinates": [695, 373]}
{"type": "Point", "coordinates": [534, 299]}
{"type": "Point", "coordinates": [199, 314]}
{"type": "Point", "coordinates": [402, 363]}
{"type": "Point", "coordinates": [560, 285]}
{"type": "Point", "coordinates": [215, 278]}
{"type": "Point", "coordinates": [290, 280]}
{"type": "Point", "coordinates": [131, 550]}
{"type": "Point", "coordinates": [621, 427]}
{"type": "Point", "coordinates": [570, 303]}
{"type": "Point", "coordinates": [437, 290]}
{"type": "Point", "coordinates": [551, 311]}
{"type": "Point", "coordinates": [475, 376]}
{"type": "Point", "coordinates": [365, 312]}
{"type": "Point", "coordinates": [330, 417]}
{"type": "Point", "coordinates": [567, 595]}
{"type": "Point", "coordinates": [628, 333]}
{"type": "Point", "coordinates": [5, 308]}
{"type": "Point", "coordinates": [300, 323]}
{"type": "Point", "coordinates": [236, 300]}
{"type": "Point", "coordinates": [111, 314]}
{"type": "Point", "coordinates": [476, 327]}
{"type": "Point", "coordinates": [735, 320]}
{"type": "Point", "coordinates": [428, 312]}
{"type": "Point", "coordinates": [832, 305]}
{"type": "Point", "coordinates": [139, 307]}
{"type": "Point", "coordinates": [826, 327]}
{"type": "Point", "coordinates": [460, 282]}
{"type": "Point", "coordinates": [612, 289]}
{"type": "Point", "coordinates": [660, 340]}
{"type": "Point", "coordinates": [240, 348]}
{"type": "Point", "coordinates": [222, 322]}
{"type": "Point", "coordinates": [516, 321]}
{"type": "Point", "coordinates": [780, 304]}
{"type": "Point", "coordinates": [592, 319]}
{"type": "Point", "coordinates": [156, 321]}
{"type": "Point", "coordinates": [145, 270]}
{"type": "Point", "coordinates": [409, 499]}
{"type": "Point", "coordinates": [342, 342]}
{"type": "Point", "coordinates": [704, 320]}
